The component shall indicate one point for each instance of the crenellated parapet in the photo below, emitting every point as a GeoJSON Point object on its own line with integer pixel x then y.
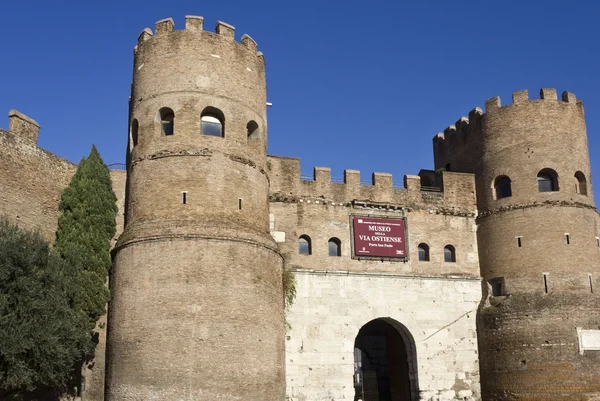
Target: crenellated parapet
{"type": "Point", "coordinates": [452, 193]}
{"type": "Point", "coordinates": [195, 25]}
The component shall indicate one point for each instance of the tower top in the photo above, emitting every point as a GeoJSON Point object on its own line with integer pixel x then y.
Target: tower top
{"type": "Point", "coordinates": [195, 24]}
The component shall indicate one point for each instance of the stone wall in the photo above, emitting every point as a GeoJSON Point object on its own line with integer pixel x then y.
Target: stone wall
{"type": "Point", "coordinates": [436, 317]}
{"type": "Point", "coordinates": [31, 183]}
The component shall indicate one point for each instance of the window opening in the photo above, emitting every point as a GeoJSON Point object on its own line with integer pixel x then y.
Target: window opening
{"type": "Point", "coordinates": [519, 242]}
{"type": "Point", "coordinates": [581, 186]}
{"type": "Point", "coordinates": [546, 282]}
{"type": "Point", "coordinates": [598, 241]}
{"type": "Point", "coordinates": [167, 121]}
{"type": "Point", "coordinates": [212, 122]}
{"type": "Point", "coordinates": [240, 203]}
{"type": "Point", "coordinates": [591, 283]}
{"type": "Point", "coordinates": [335, 248]}
{"type": "Point", "coordinates": [184, 198]}
{"type": "Point", "coordinates": [502, 187]}
{"type": "Point", "coordinates": [448, 167]}
{"type": "Point", "coordinates": [449, 254]}
{"type": "Point", "coordinates": [423, 250]}
{"type": "Point", "coordinates": [304, 247]}
{"type": "Point", "coordinates": [253, 130]}
{"type": "Point", "coordinates": [134, 132]}
{"type": "Point", "coordinates": [547, 180]}
{"type": "Point", "coordinates": [497, 285]}
{"type": "Point", "coordinates": [568, 238]}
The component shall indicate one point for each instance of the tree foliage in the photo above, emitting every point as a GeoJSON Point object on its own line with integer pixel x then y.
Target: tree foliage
{"type": "Point", "coordinates": [41, 335]}
{"type": "Point", "coordinates": [85, 228]}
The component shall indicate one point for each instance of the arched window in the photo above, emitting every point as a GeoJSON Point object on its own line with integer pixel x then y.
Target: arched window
{"type": "Point", "coordinates": [167, 121]}
{"type": "Point", "coordinates": [212, 122]}
{"type": "Point", "coordinates": [502, 187]}
{"type": "Point", "coordinates": [423, 252]}
{"type": "Point", "coordinates": [581, 187]}
{"type": "Point", "coordinates": [449, 254]}
{"type": "Point", "coordinates": [304, 246]}
{"type": "Point", "coordinates": [547, 180]}
{"type": "Point", "coordinates": [335, 247]}
{"type": "Point", "coordinates": [253, 130]}
{"type": "Point", "coordinates": [134, 132]}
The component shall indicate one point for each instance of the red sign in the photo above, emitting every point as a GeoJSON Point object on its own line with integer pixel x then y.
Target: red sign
{"type": "Point", "coordinates": [377, 237]}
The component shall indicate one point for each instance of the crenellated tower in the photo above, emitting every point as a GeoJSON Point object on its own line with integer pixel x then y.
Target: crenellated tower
{"type": "Point", "coordinates": [197, 303]}
{"type": "Point", "coordinates": [538, 245]}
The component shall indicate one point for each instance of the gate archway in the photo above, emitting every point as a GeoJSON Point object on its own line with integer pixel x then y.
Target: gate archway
{"type": "Point", "coordinates": [385, 362]}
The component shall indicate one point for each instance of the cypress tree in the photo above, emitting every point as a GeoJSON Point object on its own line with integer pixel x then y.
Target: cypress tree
{"type": "Point", "coordinates": [42, 336]}
{"type": "Point", "coordinates": [85, 228]}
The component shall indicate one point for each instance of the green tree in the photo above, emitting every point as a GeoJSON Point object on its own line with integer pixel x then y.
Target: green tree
{"type": "Point", "coordinates": [85, 228]}
{"type": "Point", "coordinates": [42, 336]}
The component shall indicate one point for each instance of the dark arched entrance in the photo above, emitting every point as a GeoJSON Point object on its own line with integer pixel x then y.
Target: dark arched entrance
{"type": "Point", "coordinates": [384, 362]}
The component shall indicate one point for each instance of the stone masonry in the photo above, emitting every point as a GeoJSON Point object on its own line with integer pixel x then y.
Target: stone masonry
{"type": "Point", "coordinates": [208, 222]}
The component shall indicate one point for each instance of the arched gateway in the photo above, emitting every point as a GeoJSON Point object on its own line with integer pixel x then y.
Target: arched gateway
{"type": "Point", "coordinates": [385, 362]}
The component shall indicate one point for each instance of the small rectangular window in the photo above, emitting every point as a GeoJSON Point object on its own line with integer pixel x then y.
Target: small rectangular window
{"type": "Point", "coordinates": [568, 238]}
{"type": "Point", "coordinates": [519, 241]}
{"type": "Point", "coordinates": [546, 282]}
{"type": "Point", "coordinates": [184, 198]}
{"type": "Point", "coordinates": [598, 241]}
{"type": "Point", "coordinates": [591, 283]}
{"type": "Point", "coordinates": [240, 203]}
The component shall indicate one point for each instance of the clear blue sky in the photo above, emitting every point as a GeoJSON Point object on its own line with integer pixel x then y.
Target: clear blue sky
{"type": "Point", "coordinates": [355, 84]}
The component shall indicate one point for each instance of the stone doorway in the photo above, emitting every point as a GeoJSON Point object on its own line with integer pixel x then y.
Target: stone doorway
{"type": "Point", "coordinates": [384, 362]}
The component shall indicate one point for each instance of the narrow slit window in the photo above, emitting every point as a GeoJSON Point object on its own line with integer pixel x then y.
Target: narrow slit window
{"type": "Point", "coordinates": [240, 203]}
{"type": "Point", "coordinates": [546, 283]}
{"type": "Point", "coordinates": [568, 238]}
{"type": "Point", "coordinates": [184, 198]}
{"type": "Point", "coordinates": [591, 283]}
{"type": "Point", "coordinates": [519, 242]}
{"type": "Point", "coordinates": [598, 241]}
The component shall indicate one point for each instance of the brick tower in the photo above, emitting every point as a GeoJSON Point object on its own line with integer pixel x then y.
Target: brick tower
{"type": "Point", "coordinates": [538, 245]}
{"type": "Point", "coordinates": [197, 303]}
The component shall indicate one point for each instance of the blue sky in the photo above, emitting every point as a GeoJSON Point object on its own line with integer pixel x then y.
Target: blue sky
{"type": "Point", "coordinates": [354, 84]}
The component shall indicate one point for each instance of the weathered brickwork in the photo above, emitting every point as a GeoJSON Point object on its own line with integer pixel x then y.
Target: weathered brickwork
{"type": "Point", "coordinates": [197, 299]}
{"type": "Point", "coordinates": [540, 249]}
{"type": "Point", "coordinates": [208, 223]}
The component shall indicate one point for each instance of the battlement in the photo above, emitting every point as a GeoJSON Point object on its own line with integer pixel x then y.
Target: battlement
{"type": "Point", "coordinates": [195, 24]}
{"type": "Point", "coordinates": [522, 96]}
{"type": "Point", "coordinates": [459, 131]}
{"type": "Point", "coordinates": [452, 190]}
{"type": "Point", "coordinates": [23, 126]}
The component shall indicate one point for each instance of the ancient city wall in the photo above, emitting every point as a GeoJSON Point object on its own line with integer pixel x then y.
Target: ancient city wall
{"type": "Point", "coordinates": [321, 209]}
{"type": "Point", "coordinates": [31, 178]}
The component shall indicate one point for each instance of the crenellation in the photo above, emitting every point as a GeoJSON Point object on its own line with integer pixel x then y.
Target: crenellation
{"type": "Point", "coordinates": [382, 181]}
{"type": "Point", "coordinates": [23, 126]}
{"type": "Point", "coordinates": [548, 94]}
{"type": "Point", "coordinates": [164, 26]}
{"type": "Point", "coordinates": [225, 30]}
{"type": "Point", "coordinates": [492, 104]}
{"type": "Point", "coordinates": [322, 175]}
{"type": "Point", "coordinates": [249, 42]}
{"type": "Point", "coordinates": [569, 97]}
{"type": "Point", "coordinates": [520, 96]}
{"type": "Point", "coordinates": [145, 35]}
{"type": "Point", "coordinates": [194, 23]}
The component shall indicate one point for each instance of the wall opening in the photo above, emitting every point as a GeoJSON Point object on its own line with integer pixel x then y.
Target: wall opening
{"type": "Point", "coordinates": [385, 362]}
{"type": "Point", "coordinates": [519, 242]}
{"type": "Point", "coordinates": [184, 198]}
{"type": "Point", "coordinates": [546, 282]}
{"type": "Point", "coordinates": [497, 285]}
{"type": "Point", "coordinates": [591, 282]}
{"type": "Point", "coordinates": [547, 180]}
{"type": "Point", "coordinates": [581, 186]}
{"type": "Point", "coordinates": [335, 247]}
{"type": "Point", "coordinates": [167, 121]}
{"type": "Point", "coordinates": [568, 238]}
{"type": "Point", "coordinates": [240, 203]}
